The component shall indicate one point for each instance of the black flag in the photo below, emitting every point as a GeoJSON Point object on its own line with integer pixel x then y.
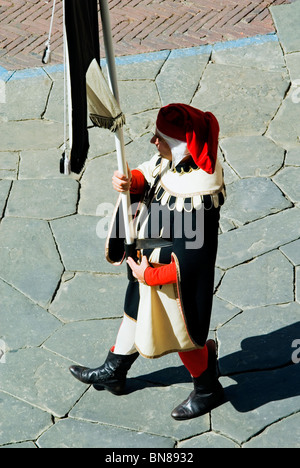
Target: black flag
{"type": "Point", "coordinates": [82, 28]}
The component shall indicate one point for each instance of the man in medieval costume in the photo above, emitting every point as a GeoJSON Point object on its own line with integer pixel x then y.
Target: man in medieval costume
{"type": "Point", "coordinates": [178, 194]}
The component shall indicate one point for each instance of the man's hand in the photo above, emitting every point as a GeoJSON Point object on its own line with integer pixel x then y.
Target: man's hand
{"type": "Point", "coordinates": [120, 182]}
{"type": "Point", "coordinates": [138, 271]}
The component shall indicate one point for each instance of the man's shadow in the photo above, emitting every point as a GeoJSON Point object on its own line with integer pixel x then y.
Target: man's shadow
{"type": "Point", "coordinates": [263, 371]}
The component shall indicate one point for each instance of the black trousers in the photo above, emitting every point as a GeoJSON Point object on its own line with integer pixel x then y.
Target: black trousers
{"type": "Point", "coordinates": [82, 27]}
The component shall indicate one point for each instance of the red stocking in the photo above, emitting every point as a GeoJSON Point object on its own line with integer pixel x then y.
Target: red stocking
{"type": "Point", "coordinates": [195, 361]}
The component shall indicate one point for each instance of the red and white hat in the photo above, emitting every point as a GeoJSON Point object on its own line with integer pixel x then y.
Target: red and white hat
{"type": "Point", "coordinates": [188, 130]}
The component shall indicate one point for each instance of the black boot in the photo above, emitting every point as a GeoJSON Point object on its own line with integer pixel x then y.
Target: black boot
{"type": "Point", "coordinates": [110, 376]}
{"type": "Point", "coordinates": [207, 394]}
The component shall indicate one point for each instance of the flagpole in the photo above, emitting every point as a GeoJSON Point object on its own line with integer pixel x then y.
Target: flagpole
{"type": "Point", "coordinates": [119, 137]}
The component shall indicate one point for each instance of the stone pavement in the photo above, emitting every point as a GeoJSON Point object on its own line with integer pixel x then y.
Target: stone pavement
{"type": "Point", "coordinates": [61, 303]}
{"type": "Point", "coordinates": [138, 26]}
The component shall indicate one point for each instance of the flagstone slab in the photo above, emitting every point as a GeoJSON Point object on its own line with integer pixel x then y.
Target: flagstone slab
{"type": "Point", "coordinates": [43, 380]}
{"type": "Point", "coordinates": [243, 99]}
{"type": "Point", "coordinates": [275, 435]}
{"type": "Point", "coordinates": [9, 165]}
{"type": "Point", "coordinates": [292, 251]}
{"type": "Point", "coordinates": [255, 401]}
{"type": "Point", "coordinates": [19, 421]}
{"type": "Point", "coordinates": [40, 164]}
{"type": "Point", "coordinates": [179, 77]}
{"type": "Point", "coordinates": [27, 94]}
{"type": "Point", "coordinates": [43, 199]}
{"type": "Point", "coordinates": [250, 199]}
{"type": "Point", "coordinates": [284, 129]}
{"type": "Point", "coordinates": [293, 156]}
{"type": "Point", "coordinates": [258, 237]}
{"type": "Point", "coordinates": [72, 433]}
{"type": "Point", "coordinates": [266, 280]}
{"type": "Point", "coordinates": [145, 408]}
{"type": "Point", "coordinates": [138, 95]}
{"type": "Point", "coordinates": [102, 142]}
{"type": "Point", "coordinates": [259, 338]}
{"type": "Point", "coordinates": [80, 246]}
{"type": "Point", "coordinates": [222, 312]}
{"type": "Point", "coordinates": [293, 65]}
{"type": "Point", "coordinates": [264, 56]}
{"type": "Point", "coordinates": [252, 156]}
{"type": "Point", "coordinates": [288, 179]}
{"type": "Point", "coordinates": [23, 323]}
{"type": "Point", "coordinates": [55, 104]}
{"type": "Point", "coordinates": [86, 342]}
{"type": "Point", "coordinates": [208, 441]}
{"type": "Point", "coordinates": [30, 134]}
{"type": "Point", "coordinates": [287, 19]}
{"type": "Point", "coordinates": [88, 296]}
{"type": "Point", "coordinates": [140, 67]}
{"type": "Point", "coordinates": [29, 258]}
{"type": "Point", "coordinates": [4, 191]}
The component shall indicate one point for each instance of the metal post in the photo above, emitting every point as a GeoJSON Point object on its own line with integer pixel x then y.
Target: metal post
{"type": "Point", "coordinates": [119, 137]}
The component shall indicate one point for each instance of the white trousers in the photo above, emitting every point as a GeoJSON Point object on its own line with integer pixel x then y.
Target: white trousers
{"type": "Point", "coordinates": [126, 337]}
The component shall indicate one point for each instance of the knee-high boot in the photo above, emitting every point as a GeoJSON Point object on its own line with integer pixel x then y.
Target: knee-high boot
{"type": "Point", "coordinates": [207, 394]}
{"type": "Point", "coordinates": [110, 376]}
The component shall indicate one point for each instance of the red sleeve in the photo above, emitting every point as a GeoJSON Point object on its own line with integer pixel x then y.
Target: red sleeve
{"type": "Point", "coordinates": [166, 274]}
{"type": "Point", "coordinates": [138, 182]}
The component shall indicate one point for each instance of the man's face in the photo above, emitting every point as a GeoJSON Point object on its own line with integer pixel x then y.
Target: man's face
{"type": "Point", "coordinates": [162, 147]}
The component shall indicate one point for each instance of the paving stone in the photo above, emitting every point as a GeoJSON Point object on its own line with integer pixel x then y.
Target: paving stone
{"type": "Point", "coordinates": [23, 323]}
{"type": "Point", "coordinates": [43, 199]}
{"type": "Point", "coordinates": [258, 283]}
{"type": "Point", "coordinates": [208, 441]}
{"type": "Point", "coordinates": [293, 157]}
{"type": "Point", "coordinates": [9, 165]}
{"type": "Point", "coordinates": [31, 134]}
{"type": "Point", "coordinates": [71, 433]}
{"type": "Point", "coordinates": [275, 435]}
{"type": "Point", "coordinates": [244, 100]}
{"type": "Point", "coordinates": [292, 251]}
{"type": "Point", "coordinates": [4, 191]}
{"type": "Point", "coordinates": [185, 71]}
{"type": "Point", "coordinates": [29, 259]}
{"type": "Point", "coordinates": [222, 312]}
{"type": "Point", "coordinates": [138, 95]}
{"type": "Point", "coordinates": [55, 104]}
{"type": "Point", "coordinates": [288, 180]}
{"type": "Point", "coordinates": [251, 199]}
{"type": "Point", "coordinates": [256, 238]}
{"type": "Point", "coordinates": [286, 19]}
{"type": "Point", "coordinates": [293, 65]}
{"type": "Point", "coordinates": [86, 343]}
{"type": "Point", "coordinates": [88, 296]}
{"type": "Point", "coordinates": [259, 338]}
{"type": "Point", "coordinates": [43, 380]}
{"type": "Point", "coordinates": [266, 56]}
{"type": "Point", "coordinates": [284, 129]}
{"type": "Point", "coordinates": [26, 94]}
{"type": "Point", "coordinates": [139, 124]}
{"type": "Point", "coordinates": [253, 156]}
{"type": "Point", "coordinates": [144, 409]}
{"type": "Point", "coordinates": [140, 67]}
{"type": "Point", "coordinates": [11, 428]}
{"type": "Point", "coordinates": [255, 401]}
{"type": "Point", "coordinates": [40, 164]}
{"type": "Point", "coordinates": [79, 245]}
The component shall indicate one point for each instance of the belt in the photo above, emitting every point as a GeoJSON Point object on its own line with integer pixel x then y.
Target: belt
{"type": "Point", "coordinates": [153, 243]}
